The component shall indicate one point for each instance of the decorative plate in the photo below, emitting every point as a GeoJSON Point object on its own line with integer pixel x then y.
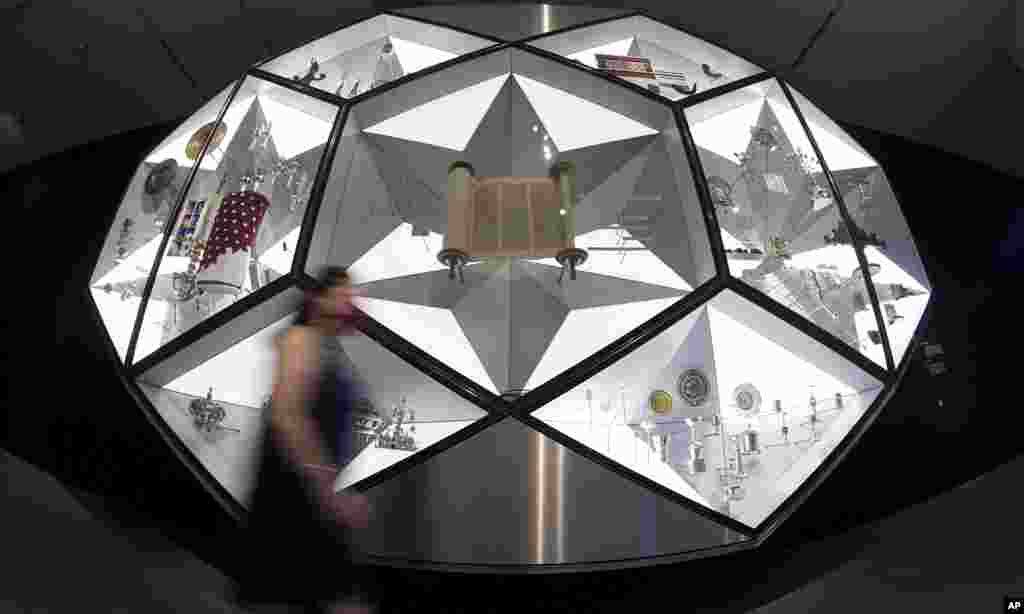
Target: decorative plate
{"type": "Point", "coordinates": [747, 398]}
{"type": "Point", "coordinates": [693, 387]}
{"type": "Point", "coordinates": [661, 402]}
{"type": "Point", "coordinates": [195, 144]}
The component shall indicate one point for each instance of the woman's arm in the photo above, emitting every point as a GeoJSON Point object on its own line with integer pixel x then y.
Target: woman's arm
{"type": "Point", "coordinates": [291, 422]}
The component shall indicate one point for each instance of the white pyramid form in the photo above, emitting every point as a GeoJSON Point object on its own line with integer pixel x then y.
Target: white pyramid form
{"type": "Point", "coordinates": [277, 257]}
{"type": "Point", "coordinates": [791, 126]}
{"type": "Point", "coordinates": [448, 121]}
{"type": "Point", "coordinates": [433, 330]}
{"type": "Point", "coordinates": [576, 339]}
{"type": "Point", "coordinates": [399, 254]}
{"type": "Point", "coordinates": [616, 48]}
{"type": "Point", "coordinates": [728, 133]}
{"type": "Point", "coordinates": [574, 123]}
{"type": "Point", "coordinates": [293, 131]}
{"type": "Point", "coordinates": [731, 242]}
{"type": "Point", "coordinates": [415, 57]}
{"type": "Point", "coordinates": [243, 374]}
{"type": "Point", "coordinates": [643, 267]}
{"type": "Point", "coordinates": [743, 355]}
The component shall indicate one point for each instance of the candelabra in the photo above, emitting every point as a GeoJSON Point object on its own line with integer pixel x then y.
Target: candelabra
{"type": "Point", "coordinates": [392, 434]}
{"type": "Point", "coordinates": [207, 415]}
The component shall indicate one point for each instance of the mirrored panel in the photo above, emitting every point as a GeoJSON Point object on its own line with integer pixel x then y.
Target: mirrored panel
{"type": "Point", "coordinates": [897, 269]}
{"type": "Point", "coordinates": [730, 407]}
{"type": "Point", "coordinates": [652, 55]}
{"type": "Point", "coordinates": [220, 408]}
{"type": "Point", "coordinates": [511, 22]}
{"type": "Point", "coordinates": [512, 215]}
{"type": "Point", "coordinates": [240, 221]}
{"type": "Point", "coordinates": [781, 228]}
{"type": "Point", "coordinates": [370, 53]}
{"type": "Point", "coordinates": [130, 248]}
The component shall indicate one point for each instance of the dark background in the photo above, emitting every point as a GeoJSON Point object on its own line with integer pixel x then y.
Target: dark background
{"type": "Point", "coordinates": [73, 417]}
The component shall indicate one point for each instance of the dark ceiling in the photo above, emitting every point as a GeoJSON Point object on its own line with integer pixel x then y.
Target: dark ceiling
{"type": "Point", "coordinates": [946, 72]}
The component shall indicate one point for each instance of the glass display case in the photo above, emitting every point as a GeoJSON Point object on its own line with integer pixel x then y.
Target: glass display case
{"type": "Point", "coordinates": [515, 315]}
{"type": "Point", "coordinates": [598, 293]}
{"type": "Point", "coordinates": [240, 220]}
{"type": "Point", "coordinates": [219, 407]}
{"type": "Point", "coordinates": [729, 408]}
{"type": "Point", "coordinates": [361, 57]}
{"type": "Point", "coordinates": [651, 55]}
{"type": "Point", "coordinates": [131, 246]}
{"type": "Point", "coordinates": [781, 227]}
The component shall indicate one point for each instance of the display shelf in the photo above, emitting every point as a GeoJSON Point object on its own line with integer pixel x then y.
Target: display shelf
{"type": "Point", "coordinates": [660, 58]}
{"type": "Point", "coordinates": [252, 202]}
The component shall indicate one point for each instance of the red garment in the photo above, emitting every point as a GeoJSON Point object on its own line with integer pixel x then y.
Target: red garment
{"type": "Point", "coordinates": [238, 221]}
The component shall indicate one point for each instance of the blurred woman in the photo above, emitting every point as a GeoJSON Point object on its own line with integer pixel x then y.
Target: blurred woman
{"type": "Point", "coordinates": [297, 549]}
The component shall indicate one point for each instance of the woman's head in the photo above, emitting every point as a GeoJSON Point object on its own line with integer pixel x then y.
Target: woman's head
{"type": "Point", "coordinates": [329, 302]}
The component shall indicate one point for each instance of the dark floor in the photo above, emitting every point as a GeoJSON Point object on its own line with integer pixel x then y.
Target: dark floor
{"type": "Point", "coordinates": [960, 552]}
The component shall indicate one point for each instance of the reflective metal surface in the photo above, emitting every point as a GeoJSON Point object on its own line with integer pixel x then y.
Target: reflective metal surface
{"type": "Point", "coordinates": [511, 496]}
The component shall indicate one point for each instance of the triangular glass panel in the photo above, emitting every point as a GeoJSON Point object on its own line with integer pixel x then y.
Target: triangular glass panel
{"type": "Point", "coordinates": [901, 282]}
{"type": "Point", "coordinates": [511, 22]}
{"type": "Point", "coordinates": [239, 224]}
{"type": "Point", "coordinates": [659, 58]}
{"type": "Point", "coordinates": [219, 408]}
{"type": "Point", "coordinates": [771, 195]}
{"type": "Point", "coordinates": [675, 410]}
{"type": "Point", "coordinates": [372, 52]}
{"type": "Point", "coordinates": [390, 213]}
{"type": "Point", "coordinates": [544, 504]}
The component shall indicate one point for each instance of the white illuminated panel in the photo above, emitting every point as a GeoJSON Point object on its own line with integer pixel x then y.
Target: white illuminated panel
{"type": "Point", "coordinates": [727, 133]}
{"type": "Point", "coordinates": [293, 131]}
{"type": "Point", "coordinates": [399, 254]}
{"type": "Point", "coordinates": [448, 121]}
{"type": "Point", "coordinates": [433, 330]}
{"type": "Point", "coordinates": [242, 374]}
{"type": "Point", "coordinates": [279, 259]}
{"type": "Point", "coordinates": [576, 340]}
{"type": "Point", "coordinates": [573, 122]}
{"type": "Point", "coordinates": [415, 57]}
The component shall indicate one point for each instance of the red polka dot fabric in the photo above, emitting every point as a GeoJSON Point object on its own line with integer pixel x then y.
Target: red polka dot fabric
{"type": "Point", "coordinates": [238, 221]}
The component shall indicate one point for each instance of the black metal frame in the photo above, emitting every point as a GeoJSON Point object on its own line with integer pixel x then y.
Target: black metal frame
{"type": "Point", "coordinates": [522, 408]}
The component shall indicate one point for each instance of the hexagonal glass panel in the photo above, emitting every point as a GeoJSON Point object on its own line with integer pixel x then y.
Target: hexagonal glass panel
{"type": "Point", "coordinates": [459, 202]}
{"type": "Point", "coordinates": [511, 22]}
{"type": "Point", "coordinates": [730, 407]}
{"type": "Point", "coordinates": [897, 269]}
{"type": "Point", "coordinates": [131, 245]}
{"type": "Point", "coordinates": [241, 218]}
{"type": "Point", "coordinates": [370, 53]}
{"type": "Point", "coordinates": [219, 406]}
{"type": "Point", "coordinates": [651, 55]}
{"type": "Point", "coordinates": [781, 228]}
